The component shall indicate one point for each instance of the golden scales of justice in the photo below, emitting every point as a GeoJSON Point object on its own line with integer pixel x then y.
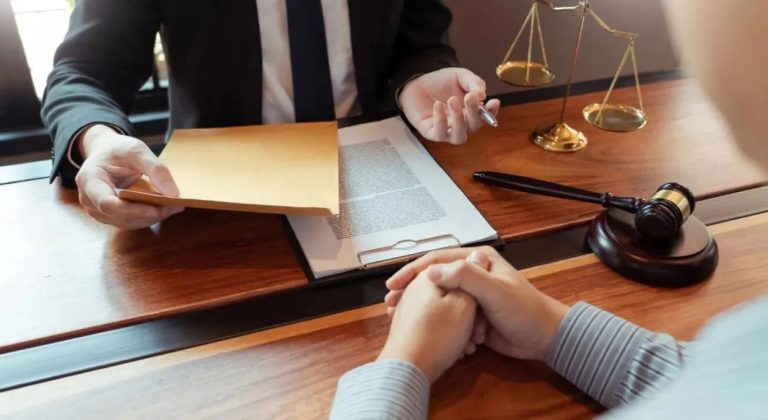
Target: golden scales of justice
{"type": "Point", "coordinates": [559, 136]}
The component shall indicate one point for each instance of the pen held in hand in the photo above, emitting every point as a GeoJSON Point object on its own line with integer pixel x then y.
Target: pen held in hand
{"type": "Point", "coordinates": [488, 117]}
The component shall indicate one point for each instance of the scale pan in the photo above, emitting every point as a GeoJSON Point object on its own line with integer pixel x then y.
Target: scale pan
{"type": "Point", "coordinates": [514, 73]}
{"type": "Point", "coordinates": [615, 117]}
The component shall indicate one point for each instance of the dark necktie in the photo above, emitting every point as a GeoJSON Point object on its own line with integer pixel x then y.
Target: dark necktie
{"type": "Point", "coordinates": [312, 90]}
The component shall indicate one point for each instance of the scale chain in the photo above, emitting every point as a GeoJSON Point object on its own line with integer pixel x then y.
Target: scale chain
{"type": "Point", "coordinates": [519, 33]}
{"type": "Point", "coordinates": [613, 82]}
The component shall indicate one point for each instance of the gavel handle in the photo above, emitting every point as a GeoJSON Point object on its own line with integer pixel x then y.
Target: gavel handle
{"type": "Point", "coordinates": [550, 189]}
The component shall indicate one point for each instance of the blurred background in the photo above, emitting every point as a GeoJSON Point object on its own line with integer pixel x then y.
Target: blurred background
{"type": "Point", "coordinates": [484, 29]}
{"type": "Point", "coordinates": [42, 25]}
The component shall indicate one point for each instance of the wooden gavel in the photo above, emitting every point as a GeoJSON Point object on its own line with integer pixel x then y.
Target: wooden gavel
{"type": "Point", "coordinates": [660, 217]}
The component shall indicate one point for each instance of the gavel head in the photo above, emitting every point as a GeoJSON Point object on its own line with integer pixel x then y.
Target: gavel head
{"type": "Point", "coordinates": [663, 215]}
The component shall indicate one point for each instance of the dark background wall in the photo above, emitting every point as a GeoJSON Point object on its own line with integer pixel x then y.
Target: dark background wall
{"type": "Point", "coordinates": [483, 30]}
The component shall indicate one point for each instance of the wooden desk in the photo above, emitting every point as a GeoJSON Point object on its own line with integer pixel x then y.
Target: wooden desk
{"type": "Point", "coordinates": [64, 275]}
{"type": "Point", "coordinates": [683, 136]}
{"type": "Point", "coordinates": [291, 372]}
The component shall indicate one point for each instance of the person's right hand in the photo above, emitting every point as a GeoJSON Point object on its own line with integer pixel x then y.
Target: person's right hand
{"type": "Point", "coordinates": [431, 327]}
{"type": "Point", "coordinates": [522, 321]}
{"type": "Point", "coordinates": [115, 161]}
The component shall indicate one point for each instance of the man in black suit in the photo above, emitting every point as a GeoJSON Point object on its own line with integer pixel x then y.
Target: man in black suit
{"type": "Point", "coordinates": [243, 62]}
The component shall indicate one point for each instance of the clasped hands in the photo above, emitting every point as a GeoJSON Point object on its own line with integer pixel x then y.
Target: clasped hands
{"type": "Point", "coordinates": [448, 302]}
{"type": "Point", "coordinates": [441, 105]}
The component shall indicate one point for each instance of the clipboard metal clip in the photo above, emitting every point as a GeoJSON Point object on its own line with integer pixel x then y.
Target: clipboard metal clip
{"type": "Point", "coordinates": [393, 254]}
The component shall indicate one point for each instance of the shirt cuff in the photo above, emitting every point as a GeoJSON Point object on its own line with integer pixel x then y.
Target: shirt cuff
{"type": "Point", "coordinates": [73, 155]}
{"type": "Point", "coordinates": [593, 349]}
{"type": "Point", "coordinates": [387, 389]}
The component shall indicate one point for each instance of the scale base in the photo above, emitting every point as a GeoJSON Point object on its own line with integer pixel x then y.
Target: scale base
{"type": "Point", "coordinates": [689, 258]}
{"type": "Point", "coordinates": [559, 137]}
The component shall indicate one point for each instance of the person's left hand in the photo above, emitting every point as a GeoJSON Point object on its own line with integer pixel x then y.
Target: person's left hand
{"type": "Point", "coordinates": [517, 319]}
{"type": "Point", "coordinates": [430, 328]}
{"type": "Point", "coordinates": [443, 105]}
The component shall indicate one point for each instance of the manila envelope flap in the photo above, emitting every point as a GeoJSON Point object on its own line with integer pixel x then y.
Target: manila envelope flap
{"type": "Point", "coordinates": [283, 169]}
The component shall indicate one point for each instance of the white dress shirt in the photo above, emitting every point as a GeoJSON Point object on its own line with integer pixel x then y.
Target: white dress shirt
{"type": "Point", "coordinates": [277, 81]}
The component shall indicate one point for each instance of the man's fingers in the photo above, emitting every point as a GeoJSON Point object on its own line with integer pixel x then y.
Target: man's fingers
{"type": "Point", "coordinates": [114, 207]}
{"type": "Point", "coordinates": [406, 274]}
{"type": "Point", "coordinates": [166, 212]}
{"type": "Point", "coordinates": [471, 278]}
{"type": "Point", "coordinates": [91, 209]}
{"type": "Point", "coordinates": [159, 174]}
{"type": "Point", "coordinates": [439, 129]}
{"type": "Point", "coordinates": [393, 297]}
{"type": "Point", "coordinates": [471, 83]}
{"type": "Point", "coordinates": [480, 259]}
{"type": "Point", "coordinates": [85, 200]}
{"type": "Point", "coordinates": [479, 330]}
{"type": "Point", "coordinates": [472, 112]}
{"type": "Point", "coordinates": [493, 106]}
{"type": "Point", "coordinates": [140, 223]}
{"type": "Point", "coordinates": [458, 132]}
{"type": "Point", "coordinates": [95, 187]}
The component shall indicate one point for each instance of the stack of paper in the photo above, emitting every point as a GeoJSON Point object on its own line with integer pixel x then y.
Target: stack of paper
{"type": "Point", "coordinates": [397, 203]}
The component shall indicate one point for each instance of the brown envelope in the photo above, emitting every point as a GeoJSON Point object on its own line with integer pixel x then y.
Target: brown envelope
{"type": "Point", "coordinates": [284, 169]}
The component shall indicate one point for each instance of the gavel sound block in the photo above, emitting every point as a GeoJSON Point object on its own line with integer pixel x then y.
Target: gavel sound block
{"type": "Point", "coordinates": [657, 241]}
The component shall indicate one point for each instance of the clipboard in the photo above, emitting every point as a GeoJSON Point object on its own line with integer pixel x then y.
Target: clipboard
{"type": "Point", "coordinates": [381, 268]}
{"type": "Point", "coordinates": [444, 216]}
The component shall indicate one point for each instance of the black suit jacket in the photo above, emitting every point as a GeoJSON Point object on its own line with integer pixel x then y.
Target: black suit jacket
{"type": "Point", "coordinates": [213, 53]}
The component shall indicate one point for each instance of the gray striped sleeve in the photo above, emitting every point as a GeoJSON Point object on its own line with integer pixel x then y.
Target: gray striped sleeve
{"type": "Point", "coordinates": [658, 361]}
{"type": "Point", "coordinates": [611, 359]}
{"type": "Point", "coordinates": [387, 389]}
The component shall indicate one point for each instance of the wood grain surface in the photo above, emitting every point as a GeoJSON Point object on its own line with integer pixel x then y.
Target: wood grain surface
{"type": "Point", "coordinates": [685, 141]}
{"type": "Point", "coordinates": [291, 372]}
{"type": "Point", "coordinates": [63, 274]}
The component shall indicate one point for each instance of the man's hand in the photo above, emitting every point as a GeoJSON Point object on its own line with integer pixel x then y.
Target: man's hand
{"type": "Point", "coordinates": [521, 321]}
{"type": "Point", "coordinates": [116, 161]}
{"type": "Point", "coordinates": [443, 105]}
{"type": "Point", "coordinates": [431, 327]}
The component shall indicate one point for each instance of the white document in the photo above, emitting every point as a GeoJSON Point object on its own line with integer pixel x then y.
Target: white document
{"type": "Point", "coordinates": [396, 202]}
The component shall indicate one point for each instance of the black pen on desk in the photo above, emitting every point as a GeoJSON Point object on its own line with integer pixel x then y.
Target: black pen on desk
{"type": "Point", "coordinates": [488, 117]}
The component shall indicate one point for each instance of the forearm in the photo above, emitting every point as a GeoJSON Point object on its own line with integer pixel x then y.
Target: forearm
{"type": "Point", "coordinates": [71, 106]}
{"type": "Point", "coordinates": [611, 359]}
{"type": "Point", "coordinates": [384, 389]}
{"type": "Point", "coordinates": [104, 59]}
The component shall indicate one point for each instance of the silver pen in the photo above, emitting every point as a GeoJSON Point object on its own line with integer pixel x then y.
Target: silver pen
{"type": "Point", "coordinates": [488, 117]}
